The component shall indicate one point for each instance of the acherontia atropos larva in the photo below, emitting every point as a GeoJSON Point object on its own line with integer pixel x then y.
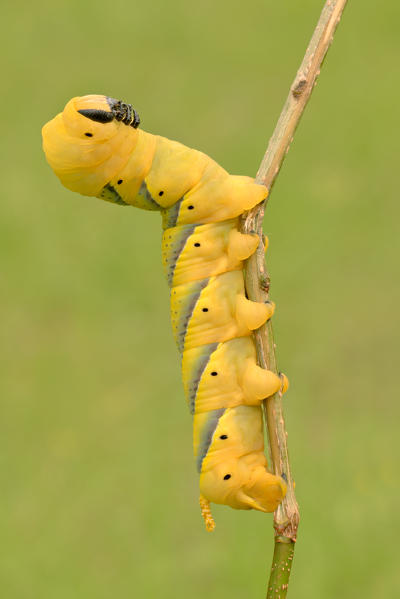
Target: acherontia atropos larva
{"type": "Point", "coordinates": [95, 148]}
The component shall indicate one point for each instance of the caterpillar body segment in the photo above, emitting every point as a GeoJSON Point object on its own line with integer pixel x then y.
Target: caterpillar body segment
{"type": "Point", "coordinates": [196, 252]}
{"type": "Point", "coordinates": [214, 310]}
{"type": "Point", "coordinates": [96, 149]}
{"type": "Point", "coordinates": [234, 452]}
{"type": "Point", "coordinates": [259, 489]}
{"type": "Point", "coordinates": [231, 196]}
{"type": "Point", "coordinates": [226, 375]}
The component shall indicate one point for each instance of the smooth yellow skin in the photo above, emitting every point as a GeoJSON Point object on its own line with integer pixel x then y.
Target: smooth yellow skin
{"type": "Point", "coordinates": [251, 486]}
{"type": "Point", "coordinates": [125, 165]}
{"type": "Point", "coordinates": [229, 313]}
{"type": "Point", "coordinates": [175, 169]}
{"type": "Point", "coordinates": [239, 380]}
{"type": "Point", "coordinates": [136, 169]}
{"type": "Point", "coordinates": [219, 196]}
{"type": "Point", "coordinates": [211, 250]}
{"type": "Point", "coordinates": [86, 164]}
{"type": "Point", "coordinates": [240, 455]}
{"type": "Point", "coordinates": [243, 427]}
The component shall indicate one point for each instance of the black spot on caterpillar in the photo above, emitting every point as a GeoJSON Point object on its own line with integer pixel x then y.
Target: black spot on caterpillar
{"type": "Point", "coordinates": [99, 116]}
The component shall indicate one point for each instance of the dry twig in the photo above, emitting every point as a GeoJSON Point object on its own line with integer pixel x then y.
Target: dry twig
{"type": "Point", "coordinates": [286, 518]}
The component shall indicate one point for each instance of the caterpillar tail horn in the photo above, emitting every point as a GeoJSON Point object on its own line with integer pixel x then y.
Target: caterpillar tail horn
{"type": "Point", "coordinates": [206, 513]}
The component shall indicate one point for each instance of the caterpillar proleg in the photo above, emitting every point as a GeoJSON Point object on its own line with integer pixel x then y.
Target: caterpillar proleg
{"type": "Point", "coordinates": [95, 148]}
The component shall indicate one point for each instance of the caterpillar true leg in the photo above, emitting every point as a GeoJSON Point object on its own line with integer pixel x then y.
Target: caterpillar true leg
{"type": "Point", "coordinates": [96, 149]}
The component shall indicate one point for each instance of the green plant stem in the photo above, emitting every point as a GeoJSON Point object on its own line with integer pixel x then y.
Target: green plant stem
{"type": "Point", "coordinates": [280, 569]}
{"type": "Point", "coordinates": [286, 517]}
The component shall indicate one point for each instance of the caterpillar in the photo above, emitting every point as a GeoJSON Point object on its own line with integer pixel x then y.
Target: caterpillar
{"type": "Point", "coordinates": [96, 148]}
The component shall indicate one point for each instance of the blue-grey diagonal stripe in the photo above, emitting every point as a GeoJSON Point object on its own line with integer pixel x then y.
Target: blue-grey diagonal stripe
{"type": "Point", "coordinates": [187, 311]}
{"type": "Point", "coordinates": [109, 193]}
{"type": "Point", "coordinates": [207, 435]}
{"type": "Point", "coordinates": [173, 255]}
{"type": "Point", "coordinates": [170, 215]}
{"type": "Point", "coordinates": [197, 373]}
{"type": "Point", "coordinates": [148, 199]}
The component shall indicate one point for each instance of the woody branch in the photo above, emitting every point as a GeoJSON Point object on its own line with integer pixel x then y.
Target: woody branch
{"type": "Point", "coordinates": [286, 518]}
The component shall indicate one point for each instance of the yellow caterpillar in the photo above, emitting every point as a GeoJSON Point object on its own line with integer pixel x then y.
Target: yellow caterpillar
{"type": "Point", "coordinates": [96, 149]}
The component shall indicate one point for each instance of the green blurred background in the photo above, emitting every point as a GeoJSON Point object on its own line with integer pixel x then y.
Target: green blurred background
{"type": "Point", "coordinates": [99, 489]}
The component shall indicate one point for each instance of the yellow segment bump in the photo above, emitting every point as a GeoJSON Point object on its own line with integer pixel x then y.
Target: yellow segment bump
{"type": "Point", "coordinates": [241, 246]}
{"type": "Point", "coordinates": [219, 197]}
{"type": "Point", "coordinates": [234, 471]}
{"type": "Point", "coordinates": [207, 251]}
{"type": "Point", "coordinates": [230, 378]}
{"type": "Point", "coordinates": [175, 170]}
{"type": "Point", "coordinates": [253, 314]}
{"type": "Point", "coordinates": [221, 312]}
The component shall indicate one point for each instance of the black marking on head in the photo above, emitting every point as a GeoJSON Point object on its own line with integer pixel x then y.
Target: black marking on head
{"type": "Point", "coordinates": [124, 112]}
{"type": "Point", "coordinates": [100, 116]}
{"type": "Point", "coordinates": [227, 476]}
{"type": "Point", "coordinates": [136, 119]}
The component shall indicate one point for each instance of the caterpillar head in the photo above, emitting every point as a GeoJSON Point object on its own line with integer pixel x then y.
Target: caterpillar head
{"type": "Point", "coordinates": [243, 484]}
{"type": "Point", "coordinates": [90, 141]}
